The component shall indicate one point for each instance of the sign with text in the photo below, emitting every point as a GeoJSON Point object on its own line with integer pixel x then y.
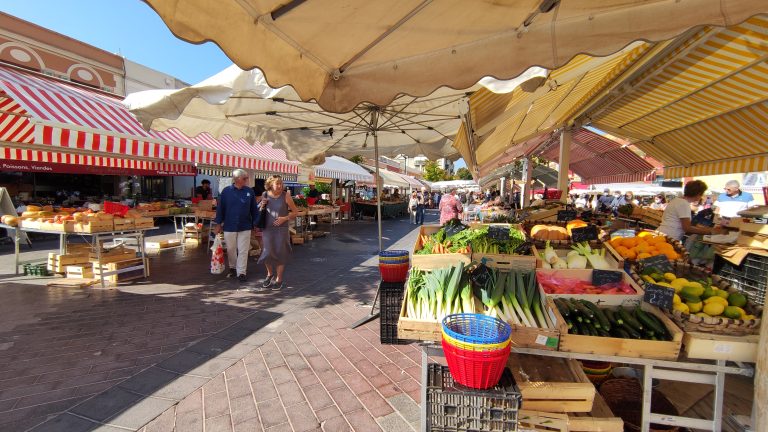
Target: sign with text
{"type": "Point", "coordinates": [658, 262]}
{"type": "Point", "coordinates": [605, 277]}
{"type": "Point", "coordinates": [587, 233]}
{"type": "Point", "coordinates": [566, 215]}
{"type": "Point", "coordinates": [658, 295]}
{"type": "Point", "coordinates": [498, 232]}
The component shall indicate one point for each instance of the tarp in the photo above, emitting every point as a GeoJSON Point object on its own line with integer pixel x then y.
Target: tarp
{"type": "Point", "coordinates": [342, 53]}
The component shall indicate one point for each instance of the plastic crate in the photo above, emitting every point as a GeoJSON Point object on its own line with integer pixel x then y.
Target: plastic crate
{"type": "Point", "coordinates": [452, 407]}
{"type": "Point", "coordinates": [751, 277]}
{"type": "Point", "coordinates": [391, 299]}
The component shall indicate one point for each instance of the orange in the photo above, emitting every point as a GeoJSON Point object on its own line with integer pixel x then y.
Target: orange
{"type": "Point", "coordinates": [631, 255]}
{"type": "Point", "coordinates": [621, 250]}
{"type": "Point", "coordinates": [643, 255]}
{"type": "Point", "coordinates": [672, 255]}
{"type": "Point", "coordinates": [629, 242]}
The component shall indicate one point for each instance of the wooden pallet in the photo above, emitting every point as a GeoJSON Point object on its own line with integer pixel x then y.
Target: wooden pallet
{"type": "Point", "coordinates": [552, 384]}
{"type": "Point", "coordinates": [71, 283]}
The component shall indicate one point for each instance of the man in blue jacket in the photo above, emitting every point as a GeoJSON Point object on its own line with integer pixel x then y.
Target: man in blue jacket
{"type": "Point", "coordinates": [236, 215]}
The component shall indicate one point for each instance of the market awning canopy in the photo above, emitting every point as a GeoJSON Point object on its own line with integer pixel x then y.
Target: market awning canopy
{"type": "Point", "coordinates": [46, 114]}
{"type": "Point", "coordinates": [243, 105]}
{"type": "Point", "coordinates": [458, 184]}
{"type": "Point", "coordinates": [342, 53]}
{"type": "Point", "coordinates": [598, 159]}
{"type": "Point", "coordinates": [697, 104]}
{"type": "Point", "coordinates": [342, 169]}
{"type": "Point", "coordinates": [393, 179]}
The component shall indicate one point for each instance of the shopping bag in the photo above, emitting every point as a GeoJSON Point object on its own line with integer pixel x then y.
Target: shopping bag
{"type": "Point", "coordinates": [217, 257]}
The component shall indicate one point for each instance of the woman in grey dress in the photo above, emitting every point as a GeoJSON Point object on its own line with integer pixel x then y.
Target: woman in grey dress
{"type": "Point", "coordinates": [275, 236]}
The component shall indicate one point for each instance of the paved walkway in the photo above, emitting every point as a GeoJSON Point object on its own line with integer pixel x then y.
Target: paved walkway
{"type": "Point", "coordinates": [81, 360]}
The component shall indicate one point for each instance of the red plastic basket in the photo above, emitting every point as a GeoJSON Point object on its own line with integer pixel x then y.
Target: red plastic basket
{"type": "Point", "coordinates": [476, 369]}
{"type": "Point", "coordinates": [394, 272]}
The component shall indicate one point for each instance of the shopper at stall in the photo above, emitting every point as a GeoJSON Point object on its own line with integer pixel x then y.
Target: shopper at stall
{"type": "Point", "coordinates": [734, 200]}
{"type": "Point", "coordinates": [236, 215]}
{"type": "Point", "coordinates": [676, 221]}
{"type": "Point", "coordinates": [605, 200]}
{"type": "Point", "coordinates": [276, 237]}
{"type": "Point", "coordinates": [659, 202]}
{"type": "Point", "coordinates": [581, 201]}
{"type": "Point", "coordinates": [204, 191]}
{"type": "Point", "coordinates": [450, 207]}
{"type": "Point", "coordinates": [413, 204]}
{"type": "Point", "coordinates": [629, 198]}
{"type": "Point", "coordinates": [422, 202]}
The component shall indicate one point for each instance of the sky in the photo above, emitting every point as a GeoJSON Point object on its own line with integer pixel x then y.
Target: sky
{"type": "Point", "coordinates": [128, 28]}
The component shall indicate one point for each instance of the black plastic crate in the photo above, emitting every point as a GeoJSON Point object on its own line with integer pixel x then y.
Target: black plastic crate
{"type": "Point", "coordinates": [390, 301]}
{"type": "Point", "coordinates": [452, 407]}
{"type": "Point", "coordinates": [751, 277]}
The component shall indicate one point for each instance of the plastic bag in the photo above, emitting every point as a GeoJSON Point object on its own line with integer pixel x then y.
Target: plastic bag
{"type": "Point", "coordinates": [217, 257]}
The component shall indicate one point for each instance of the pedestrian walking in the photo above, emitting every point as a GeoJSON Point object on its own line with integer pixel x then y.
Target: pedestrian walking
{"type": "Point", "coordinates": [450, 207]}
{"type": "Point", "coordinates": [276, 239]}
{"type": "Point", "coordinates": [413, 204]}
{"type": "Point", "coordinates": [236, 216]}
{"type": "Point", "coordinates": [422, 202]}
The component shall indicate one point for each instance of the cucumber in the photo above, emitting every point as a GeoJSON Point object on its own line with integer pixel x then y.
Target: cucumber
{"type": "Point", "coordinates": [665, 334]}
{"type": "Point", "coordinates": [578, 329]}
{"type": "Point", "coordinates": [629, 320]}
{"type": "Point", "coordinates": [603, 332]}
{"type": "Point", "coordinates": [591, 329]}
{"type": "Point", "coordinates": [562, 307]}
{"type": "Point", "coordinates": [599, 316]}
{"type": "Point", "coordinates": [583, 309]}
{"type": "Point", "coordinates": [634, 334]}
{"type": "Point", "coordinates": [619, 332]}
{"type": "Point", "coordinates": [574, 311]}
{"type": "Point", "coordinates": [648, 322]}
{"type": "Point", "coordinates": [611, 315]}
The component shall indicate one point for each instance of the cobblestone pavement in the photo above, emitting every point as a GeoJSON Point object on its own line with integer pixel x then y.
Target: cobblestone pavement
{"type": "Point", "coordinates": [185, 350]}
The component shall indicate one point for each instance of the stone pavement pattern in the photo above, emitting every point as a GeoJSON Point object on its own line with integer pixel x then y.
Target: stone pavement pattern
{"type": "Point", "coordinates": [144, 347]}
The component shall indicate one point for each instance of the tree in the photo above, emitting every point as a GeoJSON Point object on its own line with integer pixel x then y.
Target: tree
{"type": "Point", "coordinates": [432, 172]}
{"type": "Point", "coordinates": [463, 174]}
{"type": "Point", "coordinates": [356, 159]}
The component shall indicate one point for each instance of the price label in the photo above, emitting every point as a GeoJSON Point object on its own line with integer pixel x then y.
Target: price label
{"type": "Point", "coordinates": [659, 262]}
{"type": "Point", "coordinates": [586, 215]}
{"type": "Point", "coordinates": [658, 295]}
{"type": "Point", "coordinates": [498, 232]}
{"type": "Point", "coordinates": [566, 215]}
{"type": "Point", "coordinates": [605, 277]}
{"type": "Point", "coordinates": [587, 233]}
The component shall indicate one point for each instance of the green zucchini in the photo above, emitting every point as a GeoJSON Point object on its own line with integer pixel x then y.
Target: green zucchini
{"type": "Point", "coordinates": [584, 310]}
{"type": "Point", "coordinates": [629, 320]}
{"type": "Point", "coordinates": [647, 321]}
{"type": "Point", "coordinates": [562, 307]}
{"type": "Point", "coordinates": [612, 317]}
{"type": "Point", "coordinates": [599, 316]}
{"type": "Point", "coordinates": [620, 332]}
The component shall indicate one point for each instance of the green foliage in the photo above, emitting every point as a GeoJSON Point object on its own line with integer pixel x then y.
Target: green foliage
{"type": "Point", "coordinates": [432, 172]}
{"type": "Point", "coordinates": [323, 188]}
{"type": "Point", "coordinates": [463, 174]}
{"type": "Point", "coordinates": [358, 159]}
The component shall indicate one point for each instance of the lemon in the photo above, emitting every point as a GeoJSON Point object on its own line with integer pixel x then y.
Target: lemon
{"type": "Point", "coordinates": [676, 299]}
{"type": "Point", "coordinates": [669, 276]}
{"type": "Point", "coordinates": [702, 315]}
{"type": "Point", "coordinates": [714, 308]}
{"type": "Point", "coordinates": [716, 299]}
{"type": "Point", "coordinates": [733, 312]}
{"type": "Point", "coordinates": [682, 307]}
{"type": "Point", "coordinates": [648, 279]}
{"type": "Point", "coordinates": [695, 307]}
{"type": "Point", "coordinates": [722, 293]}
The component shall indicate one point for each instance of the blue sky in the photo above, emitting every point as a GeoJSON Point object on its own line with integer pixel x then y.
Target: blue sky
{"type": "Point", "coordinates": [126, 27]}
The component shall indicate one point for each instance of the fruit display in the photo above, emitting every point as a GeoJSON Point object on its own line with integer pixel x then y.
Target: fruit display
{"type": "Point", "coordinates": [646, 245]}
{"type": "Point", "coordinates": [549, 232]}
{"type": "Point", "coordinates": [452, 238]}
{"type": "Point", "coordinates": [703, 302]}
{"type": "Point", "coordinates": [585, 318]}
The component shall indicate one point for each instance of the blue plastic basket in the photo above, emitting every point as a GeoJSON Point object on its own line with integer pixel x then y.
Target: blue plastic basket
{"type": "Point", "coordinates": [393, 253]}
{"type": "Point", "coordinates": [476, 328]}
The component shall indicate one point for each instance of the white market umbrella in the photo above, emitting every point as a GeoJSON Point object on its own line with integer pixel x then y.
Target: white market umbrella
{"type": "Point", "coordinates": [345, 52]}
{"type": "Point", "coordinates": [242, 105]}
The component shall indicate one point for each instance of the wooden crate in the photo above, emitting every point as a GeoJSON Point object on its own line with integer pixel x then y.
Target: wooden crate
{"type": "Point", "coordinates": [113, 257]}
{"type": "Point", "coordinates": [753, 235]}
{"type": "Point", "coordinates": [66, 226]}
{"type": "Point", "coordinates": [297, 239]}
{"type": "Point", "coordinates": [538, 421]}
{"type": "Point", "coordinates": [541, 215]}
{"type": "Point", "coordinates": [721, 347]}
{"type": "Point", "coordinates": [94, 226]}
{"type": "Point", "coordinates": [29, 224]}
{"type": "Point", "coordinates": [163, 244]}
{"type": "Point", "coordinates": [80, 272]}
{"type": "Point", "coordinates": [143, 222]}
{"type": "Point", "coordinates": [433, 261]}
{"type": "Point", "coordinates": [663, 350]}
{"type": "Point", "coordinates": [562, 253]}
{"type": "Point", "coordinates": [58, 263]}
{"type": "Point", "coordinates": [600, 419]}
{"type": "Point", "coordinates": [507, 262]}
{"type": "Point", "coordinates": [206, 214]}
{"type": "Point", "coordinates": [99, 269]}
{"type": "Point", "coordinates": [121, 224]}
{"type": "Point", "coordinates": [598, 299]}
{"type": "Point", "coordinates": [154, 213]}
{"type": "Point", "coordinates": [551, 384]}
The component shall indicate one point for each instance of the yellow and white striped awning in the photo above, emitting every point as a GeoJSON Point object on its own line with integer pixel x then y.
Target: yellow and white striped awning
{"type": "Point", "coordinates": [503, 120]}
{"type": "Point", "coordinates": [701, 109]}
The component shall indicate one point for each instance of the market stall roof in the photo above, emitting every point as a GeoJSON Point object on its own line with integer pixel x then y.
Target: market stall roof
{"type": "Point", "coordinates": [342, 53]}
{"type": "Point", "coordinates": [389, 178]}
{"type": "Point", "coordinates": [336, 167]}
{"type": "Point", "coordinates": [43, 113]}
{"type": "Point", "coordinates": [458, 184]}
{"type": "Point", "coordinates": [598, 159]}
{"type": "Point", "coordinates": [697, 104]}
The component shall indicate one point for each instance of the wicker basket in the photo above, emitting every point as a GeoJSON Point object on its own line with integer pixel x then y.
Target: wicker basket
{"type": "Point", "coordinates": [624, 397]}
{"type": "Point", "coordinates": [693, 323]}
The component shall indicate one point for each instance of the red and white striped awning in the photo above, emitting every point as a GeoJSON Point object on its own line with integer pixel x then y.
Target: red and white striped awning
{"type": "Point", "coordinates": [598, 160]}
{"type": "Point", "coordinates": [64, 117]}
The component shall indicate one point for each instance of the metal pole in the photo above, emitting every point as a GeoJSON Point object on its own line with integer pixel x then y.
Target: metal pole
{"type": "Point", "coordinates": [566, 138]}
{"type": "Point", "coordinates": [379, 183]}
